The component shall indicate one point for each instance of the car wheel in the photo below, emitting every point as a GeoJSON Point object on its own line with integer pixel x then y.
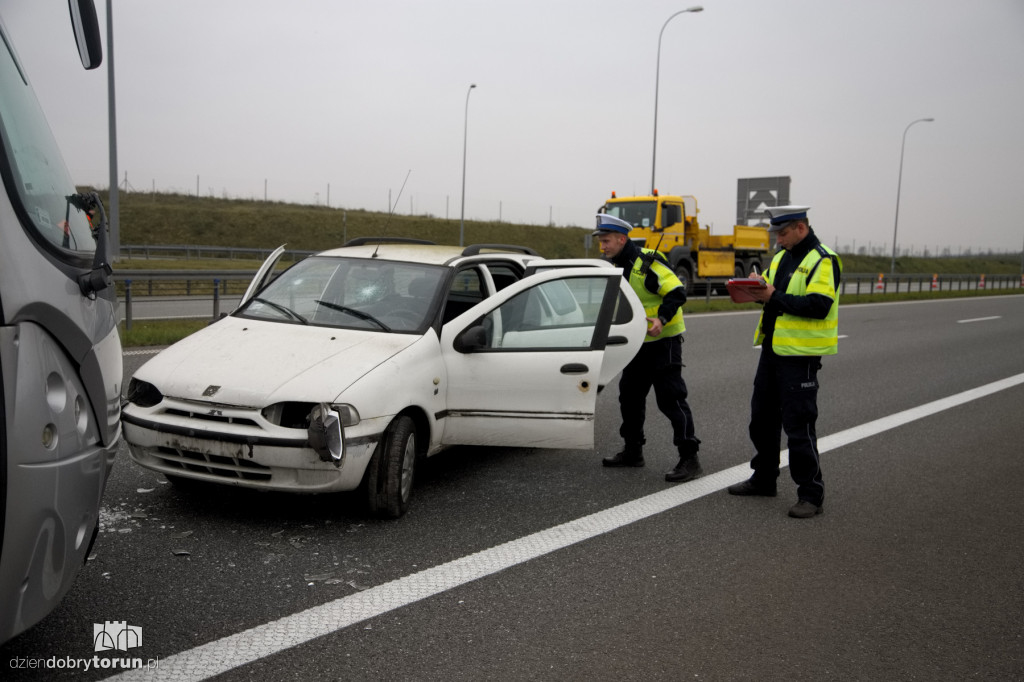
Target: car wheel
{"type": "Point", "coordinates": [389, 475]}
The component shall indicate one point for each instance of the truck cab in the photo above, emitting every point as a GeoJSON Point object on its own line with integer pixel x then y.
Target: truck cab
{"type": "Point", "coordinates": [669, 224]}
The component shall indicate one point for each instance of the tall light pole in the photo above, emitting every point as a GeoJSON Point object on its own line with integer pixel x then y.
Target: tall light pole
{"type": "Point", "coordinates": [465, 135]}
{"type": "Point", "coordinates": [899, 183]}
{"type": "Point", "coordinates": [115, 211]}
{"type": "Point", "coordinates": [657, 79]}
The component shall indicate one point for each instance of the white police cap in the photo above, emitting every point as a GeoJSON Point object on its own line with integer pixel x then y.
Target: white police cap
{"type": "Point", "coordinates": [609, 223]}
{"type": "Point", "coordinates": [780, 215]}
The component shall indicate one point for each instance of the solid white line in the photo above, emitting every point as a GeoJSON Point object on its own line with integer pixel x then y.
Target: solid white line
{"type": "Point", "coordinates": [980, 319]}
{"type": "Point", "coordinates": [230, 652]}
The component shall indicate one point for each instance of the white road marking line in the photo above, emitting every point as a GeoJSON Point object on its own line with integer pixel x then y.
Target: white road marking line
{"type": "Point", "coordinates": [980, 319]}
{"type": "Point", "coordinates": [251, 645]}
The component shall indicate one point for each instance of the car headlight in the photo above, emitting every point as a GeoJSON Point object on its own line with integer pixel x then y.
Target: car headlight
{"type": "Point", "coordinates": [143, 393]}
{"type": "Point", "coordinates": [296, 415]}
{"type": "Point", "coordinates": [349, 415]}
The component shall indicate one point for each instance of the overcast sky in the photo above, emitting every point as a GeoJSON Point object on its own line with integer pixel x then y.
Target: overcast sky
{"type": "Point", "coordinates": [347, 98]}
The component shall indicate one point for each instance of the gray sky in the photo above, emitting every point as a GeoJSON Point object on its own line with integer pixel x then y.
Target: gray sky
{"type": "Point", "coordinates": [312, 94]}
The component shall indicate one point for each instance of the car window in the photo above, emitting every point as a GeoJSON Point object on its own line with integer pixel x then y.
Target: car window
{"type": "Point", "coordinates": [559, 314]}
{"type": "Point", "coordinates": [623, 311]}
{"type": "Point", "coordinates": [503, 275]}
{"type": "Point", "coordinates": [353, 293]}
{"type": "Point", "coordinates": [465, 291]}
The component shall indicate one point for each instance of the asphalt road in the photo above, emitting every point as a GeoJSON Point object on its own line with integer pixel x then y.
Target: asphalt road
{"type": "Point", "coordinates": [912, 573]}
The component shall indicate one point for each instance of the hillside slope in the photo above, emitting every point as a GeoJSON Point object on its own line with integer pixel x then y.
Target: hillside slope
{"type": "Point", "coordinates": [153, 219]}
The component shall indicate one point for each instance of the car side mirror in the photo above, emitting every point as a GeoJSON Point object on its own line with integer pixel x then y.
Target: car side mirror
{"type": "Point", "coordinates": [473, 339]}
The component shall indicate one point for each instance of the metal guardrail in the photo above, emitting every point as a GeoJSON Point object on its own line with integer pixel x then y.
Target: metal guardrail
{"type": "Point", "coordinates": [884, 284]}
{"type": "Point", "coordinates": [212, 285]}
{"type": "Point", "coordinates": [187, 251]}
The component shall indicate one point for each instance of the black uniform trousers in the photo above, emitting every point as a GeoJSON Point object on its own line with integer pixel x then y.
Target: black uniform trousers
{"type": "Point", "coordinates": [659, 364]}
{"type": "Point", "coordinates": [786, 398]}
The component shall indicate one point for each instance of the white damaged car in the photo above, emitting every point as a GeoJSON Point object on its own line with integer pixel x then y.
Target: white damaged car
{"type": "Point", "coordinates": [354, 362]}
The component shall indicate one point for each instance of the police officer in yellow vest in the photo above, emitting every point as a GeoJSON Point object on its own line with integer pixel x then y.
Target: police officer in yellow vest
{"type": "Point", "coordinates": [658, 363]}
{"type": "Point", "coordinates": [799, 324]}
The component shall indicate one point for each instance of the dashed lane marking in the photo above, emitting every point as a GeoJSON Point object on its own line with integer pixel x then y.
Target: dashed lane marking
{"type": "Point", "coordinates": [251, 645]}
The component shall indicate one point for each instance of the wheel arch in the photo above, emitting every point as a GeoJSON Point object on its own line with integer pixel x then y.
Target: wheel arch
{"type": "Point", "coordinates": [424, 428]}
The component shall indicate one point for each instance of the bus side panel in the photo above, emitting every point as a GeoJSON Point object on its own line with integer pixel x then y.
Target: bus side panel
{"type": "Point", "coordinates": [56, 472]}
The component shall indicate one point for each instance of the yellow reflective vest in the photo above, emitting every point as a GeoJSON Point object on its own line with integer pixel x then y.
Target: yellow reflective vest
{"type": "Point", "coordinates": [802, 335]}
{"type": "Point", "coordinates": [667, 281]}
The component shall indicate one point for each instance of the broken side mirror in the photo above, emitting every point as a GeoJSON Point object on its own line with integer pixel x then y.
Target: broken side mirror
{"type": "Point", "coordinates": [325, 436]}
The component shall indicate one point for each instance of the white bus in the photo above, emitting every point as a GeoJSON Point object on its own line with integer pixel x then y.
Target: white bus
{"type": "Point", "coordinates": [60, 355]}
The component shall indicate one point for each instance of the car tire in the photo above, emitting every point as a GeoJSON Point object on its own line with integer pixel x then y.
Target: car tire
{"type": "Point", "coordinates": [389, 474]}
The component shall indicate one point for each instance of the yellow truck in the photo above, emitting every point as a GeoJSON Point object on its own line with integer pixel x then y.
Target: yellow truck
{"type": "Point", "coordinates": [669, 224]}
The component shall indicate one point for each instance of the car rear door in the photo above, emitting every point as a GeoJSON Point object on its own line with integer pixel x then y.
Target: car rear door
{"type": "Point", "coordinates": [523, 367]}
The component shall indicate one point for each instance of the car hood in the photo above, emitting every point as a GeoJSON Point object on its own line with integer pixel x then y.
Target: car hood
{"type": "Point", "coordinates": [254, 363]}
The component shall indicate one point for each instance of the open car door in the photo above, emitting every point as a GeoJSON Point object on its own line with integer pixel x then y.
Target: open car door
{"type": "Point", "coordinates": [617, 349]}
{"type": "Point", "coordinates": [263, 275]}
{"type": "Point", "coordinates": [524, 366]}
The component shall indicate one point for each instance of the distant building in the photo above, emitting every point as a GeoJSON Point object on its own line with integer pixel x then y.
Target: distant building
{"type": "Point", "coordinates": [754, 195]}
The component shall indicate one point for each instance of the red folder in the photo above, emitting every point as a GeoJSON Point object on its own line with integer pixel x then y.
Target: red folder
{"type": "Point", "coordinates": [740, 288]}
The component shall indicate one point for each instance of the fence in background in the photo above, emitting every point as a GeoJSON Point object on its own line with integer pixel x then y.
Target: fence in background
{"type": "Point", "coordinates": [207, 290]}
{"type": "Point", "coordinates": [176, 251]}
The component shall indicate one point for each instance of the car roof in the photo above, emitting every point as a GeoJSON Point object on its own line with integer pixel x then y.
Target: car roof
{"type": "Point", "coordinates": [431, 254]}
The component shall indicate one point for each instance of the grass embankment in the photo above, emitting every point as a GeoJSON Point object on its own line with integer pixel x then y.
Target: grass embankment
{"type": "Point", "coordinates": [174, 219]}
{"type": "Point", "coordinates": [162, 219]}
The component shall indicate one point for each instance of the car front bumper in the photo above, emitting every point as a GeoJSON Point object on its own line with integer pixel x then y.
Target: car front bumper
{"type": "Point", "coordinates": [241, 452]}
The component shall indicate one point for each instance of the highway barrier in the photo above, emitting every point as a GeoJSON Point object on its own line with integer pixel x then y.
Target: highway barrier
{"type": "Point", "coordinates": [209, 289]}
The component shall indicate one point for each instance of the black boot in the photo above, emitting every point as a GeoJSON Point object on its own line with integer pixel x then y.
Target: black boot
{"type": "Point", "coordinates": [688, 468]}
{"type": "Point", "coordinates": [631, 456]}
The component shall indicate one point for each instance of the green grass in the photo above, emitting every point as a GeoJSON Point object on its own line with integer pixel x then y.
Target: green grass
{"type": "Point", "coordinates": [161, 219]}
{"type": "Point", "coordinates": [158, 332]}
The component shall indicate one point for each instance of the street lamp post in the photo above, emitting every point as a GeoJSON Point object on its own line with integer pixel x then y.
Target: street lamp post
{"type": "Point", "coordinates": [115, 211]}
{"type": "Point", "coordinates": [465, 135]}
{"type": "Point", "coordinates": [899, 183]}
{"type": "Point", "coordinates": [657, 79]}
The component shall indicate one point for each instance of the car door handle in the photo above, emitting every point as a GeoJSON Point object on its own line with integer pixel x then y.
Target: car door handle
{"type": "Point", "coordinates": [617, 341]}
{"type": "Point", "coordinates": [575, 368]}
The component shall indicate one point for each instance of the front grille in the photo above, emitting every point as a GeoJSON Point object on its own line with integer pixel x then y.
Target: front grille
{"type": "Point", "coordinates": [214, 465]}
{"type": "Point", "coordinates": [219, 418]}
